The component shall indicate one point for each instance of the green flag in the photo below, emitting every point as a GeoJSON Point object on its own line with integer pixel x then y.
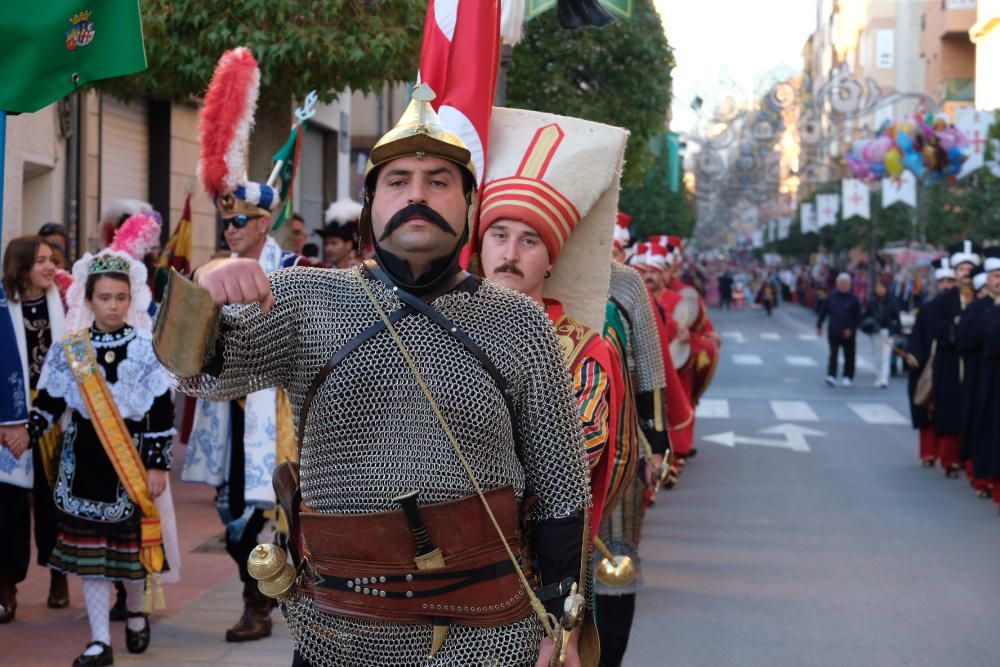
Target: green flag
{"type": "Point", "coordinates": [51, 47]}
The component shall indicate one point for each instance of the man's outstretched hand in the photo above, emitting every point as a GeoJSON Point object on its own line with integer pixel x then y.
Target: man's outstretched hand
{"type": "Point", "coordinates": [236, 280]}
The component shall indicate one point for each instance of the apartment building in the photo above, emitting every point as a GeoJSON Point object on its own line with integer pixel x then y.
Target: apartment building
{"type": "Point", "coordinates": [68, 161]}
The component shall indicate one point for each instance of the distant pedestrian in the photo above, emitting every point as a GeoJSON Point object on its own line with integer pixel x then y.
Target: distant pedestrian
{"type": "Point", "coordinates": [884, 314]}
{"type": "Point", "coordinates": [844, 311]}
{"type": "Point", "coordinates": [726, 290]}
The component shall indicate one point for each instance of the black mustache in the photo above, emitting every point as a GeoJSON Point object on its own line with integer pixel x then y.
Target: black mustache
{"type": "Point", "coordinates": [415, 211]}
{"type": "Point", "coordinates": [509, 267]}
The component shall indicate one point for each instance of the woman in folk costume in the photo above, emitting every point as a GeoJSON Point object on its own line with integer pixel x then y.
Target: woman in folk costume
{"type": "Point", "coordinates": [37, 318]}
{"type": "Point", "coordinates": [116, 447]}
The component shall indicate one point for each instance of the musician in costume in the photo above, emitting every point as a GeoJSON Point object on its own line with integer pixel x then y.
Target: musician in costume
{"type": "Point", "coordinates": [235, 444]}
{"type": "Point", "coordinates": [705, 340]}
{"type": "Point", "coordinates": [946, 314]}
{"type": "Point", "coordinates": [620, 530]}
{"type": "Point", "coordinates": [115, 450]}
{"type": "Point", "coordinates": [424, 396]}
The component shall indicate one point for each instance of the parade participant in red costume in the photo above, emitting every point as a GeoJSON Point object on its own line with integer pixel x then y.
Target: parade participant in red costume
{"type": "Point", "coordinates": [697, 374]}
{"type": "Point", "coordinates": [674, 337]}
{"type": "Point", "coordinates": [542, 194]}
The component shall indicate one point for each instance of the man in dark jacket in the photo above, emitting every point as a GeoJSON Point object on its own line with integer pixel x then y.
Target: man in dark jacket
{"type": "Point", "coordinates": [844, 311]}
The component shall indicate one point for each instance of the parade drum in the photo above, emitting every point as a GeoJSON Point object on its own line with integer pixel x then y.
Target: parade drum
{"type": "Point", "coordinates": [680, 353]}
{"type": "Point", "coordinates": [685, 313]}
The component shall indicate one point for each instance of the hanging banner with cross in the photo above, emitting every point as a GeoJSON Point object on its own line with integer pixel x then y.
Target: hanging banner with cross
{"type": "Point", "coordinates": [902, 189]}
{"type": "Point", "coordinates": [854, 194]}
{"type": "Point", "coordinates": [975, 125]}
{"type": "Point", "coordinates": [826, 210]}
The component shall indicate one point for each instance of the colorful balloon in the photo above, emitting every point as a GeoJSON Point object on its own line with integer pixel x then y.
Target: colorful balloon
{"type": "Point", "coordinates": [893, 163]}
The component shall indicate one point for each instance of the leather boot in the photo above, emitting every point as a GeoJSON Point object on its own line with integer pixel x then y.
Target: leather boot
{"type": "Point", "coordinates": [8, 598]}
{"type": "Point", "coordinates": [255, 623]}
{"type": "Point", "coordinates": [58, 590]}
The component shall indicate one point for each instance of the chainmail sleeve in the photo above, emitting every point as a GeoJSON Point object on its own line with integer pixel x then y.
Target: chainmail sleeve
{"type": "Point", "coordinates": [549, 428]}
{"type": "Point", "coordinates": [628, 290]}
{"type": "Point", "coordinates": [251, 350]}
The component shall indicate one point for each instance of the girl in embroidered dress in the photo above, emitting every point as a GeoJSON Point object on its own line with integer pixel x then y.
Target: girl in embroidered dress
{"type": "Point", "coordinates": [99, 536]}
{"type": "Point", "coordinates": [36, 314]}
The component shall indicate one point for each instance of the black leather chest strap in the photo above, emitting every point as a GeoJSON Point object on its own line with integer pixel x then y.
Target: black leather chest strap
{"type": "Point", "coordinates": [453, 330]}
{"type": "Point", "coordinates": [411, 304]}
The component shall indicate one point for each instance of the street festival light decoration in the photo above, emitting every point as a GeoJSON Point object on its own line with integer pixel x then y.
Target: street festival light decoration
{"type": "Point", "coordinates": [747, 158]}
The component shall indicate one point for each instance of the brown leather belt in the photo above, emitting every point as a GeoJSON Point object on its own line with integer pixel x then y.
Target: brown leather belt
{"type": "Point", "coordinates": [362, 565]}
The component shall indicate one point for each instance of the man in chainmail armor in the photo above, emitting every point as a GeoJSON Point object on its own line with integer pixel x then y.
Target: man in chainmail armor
{"type": "Point", "coordinates": [392, 369]}
{"type": "Point", "coordinates": [621, 529]}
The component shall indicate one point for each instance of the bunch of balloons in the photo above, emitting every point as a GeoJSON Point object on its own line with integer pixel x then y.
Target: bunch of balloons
{"type": "Point", "coordinates": [927, 145]}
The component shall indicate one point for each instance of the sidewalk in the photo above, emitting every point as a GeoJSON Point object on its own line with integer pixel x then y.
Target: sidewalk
{"type": "Point", "coordinates": [190, 632]}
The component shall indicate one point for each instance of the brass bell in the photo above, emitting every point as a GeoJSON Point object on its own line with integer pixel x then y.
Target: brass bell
{"type": "Point", "coordinates": [614, 570]}
{"type": "Point", "coordinates": [269, 565]}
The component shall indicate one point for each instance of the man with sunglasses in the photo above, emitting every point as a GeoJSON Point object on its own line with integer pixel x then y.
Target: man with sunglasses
{"type": "Point", "coordinates": [242, 438]}
{"type": "Point", "coordinates": [410, 378]}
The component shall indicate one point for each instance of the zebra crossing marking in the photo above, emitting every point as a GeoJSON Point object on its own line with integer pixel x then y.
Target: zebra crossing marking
{"type": "Point", "coordinates": [747, 360]}
{"type": "Point", "coordinates": [793, 411]}
{"type": "Point", "coordinates": [712, 408]}
{"type": "Point", "coordinates": [877, 413]}
{"type": "Point", "coordinates": [793, 360]}
{"type": "Point", "coordinates": [770, 335]}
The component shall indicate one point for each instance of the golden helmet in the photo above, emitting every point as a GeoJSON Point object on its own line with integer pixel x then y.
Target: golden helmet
{"type": "Point", "coordinates": [418, 133]}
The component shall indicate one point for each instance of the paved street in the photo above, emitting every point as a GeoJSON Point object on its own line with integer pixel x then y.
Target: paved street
{"type": "Point", "coordinates": [766, 554]}
{"type": "Point", "coordinates": [848, 554]}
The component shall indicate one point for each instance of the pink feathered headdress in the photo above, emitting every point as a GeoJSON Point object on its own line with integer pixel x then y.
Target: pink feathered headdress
{"type": "Point", "coordinates": [137, 236]}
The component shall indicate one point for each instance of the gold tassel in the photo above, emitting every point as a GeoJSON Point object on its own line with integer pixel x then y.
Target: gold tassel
{"type": "Point", "coordinates": [159, 599]}
{"type": "Point", "coordinates": [147, 596]}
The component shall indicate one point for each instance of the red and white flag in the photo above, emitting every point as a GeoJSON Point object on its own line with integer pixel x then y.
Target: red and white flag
{"type": "Point", "coordinates": [459, 60]}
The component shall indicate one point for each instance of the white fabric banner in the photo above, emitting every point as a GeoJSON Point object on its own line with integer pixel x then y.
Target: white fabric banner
{"type": "Point", "coordinates": [772, 230]}
{"type": "Point", "coordinates": [854, 194]}
{"type": "Point", "coordinates": [784, 225]}
{"type": "Point", "coordinates": [902, 189]}
{"type": "Point", "coordinates": [826, 209]}
{"type": "Point", "coordinates": [975, 125]}
{"type": "Point", "coordinates": [807, 218]}
{"type": "Point", "coordinates": [757, 238]}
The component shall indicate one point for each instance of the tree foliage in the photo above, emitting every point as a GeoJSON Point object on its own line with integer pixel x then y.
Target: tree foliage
{"type": "Point", "coordinates": [653, 207]}
{"type": "Point", "coordinates": [301, 45]}
{"type": "Point", "coordinates": [619, 75]}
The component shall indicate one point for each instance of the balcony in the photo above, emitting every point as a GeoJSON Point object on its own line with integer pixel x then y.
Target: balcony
{"type": "Point", "coordinates": [957, 17]}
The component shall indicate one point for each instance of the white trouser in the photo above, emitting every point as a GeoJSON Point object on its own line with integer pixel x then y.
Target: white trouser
{"type": "Point", "coordinates": [882, 352]}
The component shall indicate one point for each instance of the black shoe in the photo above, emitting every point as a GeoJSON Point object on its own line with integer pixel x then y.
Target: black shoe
{"type": "Point", "coordinates": [105, 657]}
{"type": "Point", "coordinates": [58, 590]}
{"type": "Point", "coordinates": [927, 463]}
{"type": "Point", "coordinates": [137, 641]}
{"type": "Point", "coordinates": [119, 612]}
{"type": "Point", "coordinates": [953, 472]}
{"type": "Point", "coordinates": [984, 493]}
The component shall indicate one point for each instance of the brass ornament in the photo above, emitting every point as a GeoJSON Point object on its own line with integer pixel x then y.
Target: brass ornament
{"type": "Point", "coordinates": [109, 356]}
{"type": "Point", "coordinates": [614, 570]}
{"type": "Point", "coordinates": [269, 565]}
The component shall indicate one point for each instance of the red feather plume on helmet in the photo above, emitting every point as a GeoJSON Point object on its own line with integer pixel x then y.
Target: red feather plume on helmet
{"type": "Point", "coordinates": [225, 121]}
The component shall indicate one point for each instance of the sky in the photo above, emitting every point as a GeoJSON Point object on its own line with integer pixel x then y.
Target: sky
{"type": "Point", "coordinates": [737, 39]}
